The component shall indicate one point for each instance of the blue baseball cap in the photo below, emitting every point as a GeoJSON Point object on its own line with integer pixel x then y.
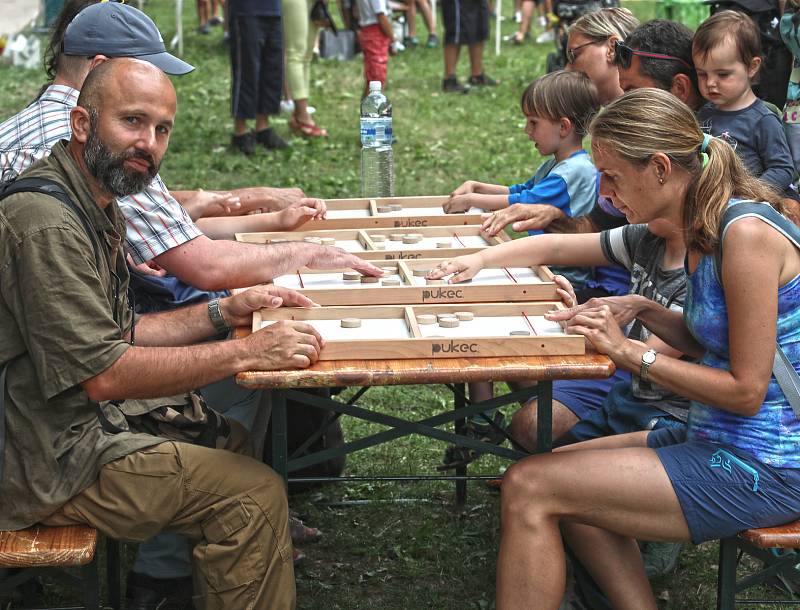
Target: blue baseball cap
{"type": "Point", "coordinates": [119, 30]}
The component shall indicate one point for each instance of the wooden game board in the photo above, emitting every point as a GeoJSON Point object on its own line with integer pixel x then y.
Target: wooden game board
{"type": "Point", "coordinates": [394, 332]}
{"type": "Point", "coordinates": [413, 212]}
{"type": "Point", "coordinates": [462, 239]}
{"type": "Point", "coordinates": [328, 287]}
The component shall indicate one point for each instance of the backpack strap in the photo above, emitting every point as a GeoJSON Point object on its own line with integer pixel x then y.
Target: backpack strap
{"type": "Point", "coordinates": [53, 189]}
{"type": "Point", "coordinates": [782, 369]}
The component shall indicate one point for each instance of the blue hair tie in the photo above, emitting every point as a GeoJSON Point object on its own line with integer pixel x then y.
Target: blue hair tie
{"type": "Point", "coordinates": [706, 140]}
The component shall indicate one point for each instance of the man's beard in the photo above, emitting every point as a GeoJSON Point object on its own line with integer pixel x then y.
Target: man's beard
{"type": "Point", "coordinates": [109, 168]}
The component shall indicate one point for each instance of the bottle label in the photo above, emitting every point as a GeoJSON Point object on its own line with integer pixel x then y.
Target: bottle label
{"type": "Point", "coordinates": [376, 131]}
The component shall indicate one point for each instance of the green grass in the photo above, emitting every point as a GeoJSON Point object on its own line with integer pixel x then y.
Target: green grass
{"type": "Point", "coordinates": [411, 547]}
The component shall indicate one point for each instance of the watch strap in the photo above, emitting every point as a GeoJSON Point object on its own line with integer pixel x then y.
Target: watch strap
{"type": "Point", "coordinates": [215, 315]}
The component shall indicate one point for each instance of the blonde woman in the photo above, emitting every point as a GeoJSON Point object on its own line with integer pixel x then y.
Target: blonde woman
{"type": "Point", "coordinates": [737, 465]}
{"type": "Point", "coordinates": [299, 33]}
{"type": "Point", "coordinates": [590, 47]}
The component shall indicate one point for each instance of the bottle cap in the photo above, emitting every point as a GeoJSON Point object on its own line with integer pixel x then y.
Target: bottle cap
{"type": "Point", "coordinates": [374, 85]}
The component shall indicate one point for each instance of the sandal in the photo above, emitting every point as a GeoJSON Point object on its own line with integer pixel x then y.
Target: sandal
{"type": "Point", "coordinates": [301, 533]}
{"type": "Point", "coordinates": [307, 130]}
{"type": "Point", "coordinates": [456, 456]}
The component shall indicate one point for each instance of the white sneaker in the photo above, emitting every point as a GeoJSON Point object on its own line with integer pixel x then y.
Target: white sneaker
{"type": "Point", "coordinates": [546, 36]}
{"type": "Point", "coordinates": [542, 21]}
{"type": "Point", "coordinates": [517, 16]}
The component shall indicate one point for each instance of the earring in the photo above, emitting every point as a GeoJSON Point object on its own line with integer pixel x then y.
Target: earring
{"type": "Point", "coordinates": [661, 179]}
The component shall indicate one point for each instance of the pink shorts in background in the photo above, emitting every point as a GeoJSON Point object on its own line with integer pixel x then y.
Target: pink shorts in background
{"type": "Point", "coordinates": [375, 47]}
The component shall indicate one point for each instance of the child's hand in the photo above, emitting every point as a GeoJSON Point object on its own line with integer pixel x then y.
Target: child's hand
{"type": "Point", "coordinates": [464, 268]}
{"type": "Point", "coordinates": [458, 203]}
{"type": "Point", "coordinates": [466, 187]}
{"type": "Point", "coordinates": [565, 290]}
{"type": "Point", "coordinates": [291, 218]}
{"type": "Point", "coordinates": [525, 216]}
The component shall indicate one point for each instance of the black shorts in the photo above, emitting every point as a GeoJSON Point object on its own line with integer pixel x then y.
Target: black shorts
{"type": "Point", "coordinates": [256, 65]}
{"type": "Point", "coordinates": [465, 21]}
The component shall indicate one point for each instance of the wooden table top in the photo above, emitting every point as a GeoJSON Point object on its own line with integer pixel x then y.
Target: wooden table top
{"type": "Point", "coordinates": [341, 373]}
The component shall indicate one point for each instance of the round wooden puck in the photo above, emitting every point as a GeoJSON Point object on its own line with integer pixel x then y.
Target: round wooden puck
{"type": "Point", "coordinates": [426, 318]}
{"type": "Point", "coordinates": [432, 282]}
{"type": "Point", "coordinates": [420, 272]}
{"type": "Point", "coordinates": [465, 316]}
{"type": "Point", "coordinates": [351, 322]}
{"type": "Point", "coordinates": [415, 235]}
{"type": "Point", "coordinates": [395, 207]}
{"type": "Point", "coordinates": [519, 333]}
{"type": "Point", "coordinates": [389, 270]}
{"type": "Point", "coordinates": [278, 240]}
{"type": "Point", "coordinates": [449, 322]}
{"type": "Point", "coordinates": [380, 245]}
{"type": "Point", "coordinates": [442, 316]}
{"type": "Point", "coordinates": [383, 209]}
{"type": "Point", "coordinates": [328, 241]}
{"type": "Point", "coordinates": [396, 236]}
{"type": "Point", "coordinates": [390, 281]}
{"type": "Point", "coordinates": [407, 239]}
{"type": "Point", "coordinates": [369, 279]}
{"type": "Point", "coordinates": [351, 276]}
{"type": "Point", "coordinates": [377, 238]}
{"type": "Point", "coordinates": [444, 243]}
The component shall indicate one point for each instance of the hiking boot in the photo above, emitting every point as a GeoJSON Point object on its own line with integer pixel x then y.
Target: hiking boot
{"type": "Point", "coordinates": [481, 80]}
{"type": "Point", "coordinates": [269, 139]}
{"type": "Point", "coordinates": [456, 456]}
{"type": "Point", "coordinates": [433, 41]}
{"type": "Point", "coordinates": [144, 592]}
{"type": "Point", "coordinates": [660, 558]}
{"type": "Point", "coordinates": [244, 143]}
{"type": "Point", "coordinates": [451, 85]}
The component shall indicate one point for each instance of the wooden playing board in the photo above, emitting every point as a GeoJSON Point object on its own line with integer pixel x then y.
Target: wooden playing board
{"type": "Point", "coordinates": [328, 287]}
{"type": "Point", "coordinates": [463, 239]}
{"type": "Point", "coordinates": [393, 332]}
{"type": "Point", "coordinates": [369, 213]}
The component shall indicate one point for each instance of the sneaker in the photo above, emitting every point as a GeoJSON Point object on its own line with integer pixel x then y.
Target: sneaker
{"type": "Point", "coordinates": [270, 139]}
{"type": "Point", "coordinates": [215, 21]}
{"type": "Point", "coordinates": [204, 29]}
{"type": "Point", "coordinates": [411, 41]}
{"type": "Point", "coordinates": [144, 592]}
{"type": "Point", "coordinates": [451, 85]}
{"type": "Point", "coordinates": [542, 21]}
{"type": "Point", "coordinates": [244, 143]}
{"type": "Point", "coordinates": [481, 80]}
{"type": "Point", "coordinates": [660, 558]}
{"type": "Point", "coordinates": [517, 16]}
{"type": "Point", "coordinates": [546, 36]}
{"type": "Point", "coordinates": [456, 456]}
{"type": "Point", "coordinates": [433, 41]}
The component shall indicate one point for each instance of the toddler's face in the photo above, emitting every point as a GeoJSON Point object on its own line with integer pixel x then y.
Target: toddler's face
{"type": "Point", "coordinates": [544, 133]}
{"type": "Point", "coordinates": [722, 77]}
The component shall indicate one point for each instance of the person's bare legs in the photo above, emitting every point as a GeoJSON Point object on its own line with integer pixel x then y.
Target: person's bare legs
{"type": "Point", "coordinates": [475, 58]}
{"type": "Point", "coordinates": [451, 52]}
{"type": "Point", "coordinates": [525, 24]}
{"type": "Point", "coordinates": [427, 15]}
{"type": "Point", "coordinates": [301, 112]}
{"type": "Point", "coordinates": [411, 19]}
{"type": "Point", "coordinates": [524, 423]}
{"type": "Point", "coordinates": [262, 122]}
{"type": "Point", "coordinates": [622, 491]}
{"type": "Point", "coordinates": [239, 126]}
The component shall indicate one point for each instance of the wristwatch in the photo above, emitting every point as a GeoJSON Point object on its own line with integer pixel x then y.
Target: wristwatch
{"type": "Point", "coordinates": [215, 315]}
{"type": "Point", "coordinates": [648, 358]}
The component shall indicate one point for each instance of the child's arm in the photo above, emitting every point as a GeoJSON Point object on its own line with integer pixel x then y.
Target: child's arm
{"type": "Point", "coordinates": [220, 227]}
{"type": "Point", "coordinates": [473, 186]}
{"type": "Point", "coordinates": [551, 190]}
{"type": "Point", "coordinates": [386, 26]}
{"type": "Point", "coordinates": [581, 250]}
{"type": "Point", "coordinates": [775, 154]}
{"type": "Point", "coordinates": [462, 203]}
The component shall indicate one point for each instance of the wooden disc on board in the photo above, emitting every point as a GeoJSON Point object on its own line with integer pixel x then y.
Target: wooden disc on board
{"type": "Point", "coordinates": [351, 276]}
{"type": "Point", "coordinates": [351, 322]}
{"type": "Point", "coordinates": [520, 333]}
{"type": "Point", "coordinates": [432, 282]}
{"type": "Point", "coordinates": [395, 207]}
{"type": "Point", "coordinates": [444, 243]}
{"type": "Point", "coordinates": [328, 241]}
{"type": "Point", "coordinates": [380, 245]}
{"type": "Point", "coordinates": [313, 240]}
{"type": "Point", "coordinates": [369, 279]}
{"type": "Point", "coordinates": [449, 322]}
{"type": "Point", "coordinates": [426, 318]}
{"type": "Point", "coordinates": [446, 316]}
{"type": "Point", "coordinates": [390, 281]}
{"type": "Point", "coordinates": [465, 316]}
{"type": "Point", "coordinates": [396, 236]}
{"type": "Point", "coordinates": [384, 209]}
{"type": "Point", "coordinates": [420, 272]}
{"type": "Point", "coordinates": [377, 238]}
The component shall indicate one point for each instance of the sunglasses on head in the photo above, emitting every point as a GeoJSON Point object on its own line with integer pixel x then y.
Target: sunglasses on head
{"type": "Point", "coordinates": [623, 55]}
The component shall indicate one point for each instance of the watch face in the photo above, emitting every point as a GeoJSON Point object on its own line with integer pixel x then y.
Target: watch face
{"type": "Point", "coordinates": [649, 357]}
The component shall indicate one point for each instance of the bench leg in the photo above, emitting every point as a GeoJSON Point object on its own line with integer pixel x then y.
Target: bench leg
{"type": "Point", "coordinates": [726, 579]}
{"type": "Point", "coordinates": [91, 584]}
{"type": "Point", "coordinates": [459, 424]}
{"type": "Point", "coordinates": [113, 574]}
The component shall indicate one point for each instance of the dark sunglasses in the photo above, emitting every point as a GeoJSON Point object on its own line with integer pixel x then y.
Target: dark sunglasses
{"type": "Point", "coordinates": [623, 55]}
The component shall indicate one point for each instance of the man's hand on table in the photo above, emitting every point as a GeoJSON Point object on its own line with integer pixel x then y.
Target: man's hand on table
{"type": "Point", "coordinates": [331, 257]}
{"type": "Point", "coordinates": [237, 310]}
{"type": "Point", "coordinates": [286, 344]}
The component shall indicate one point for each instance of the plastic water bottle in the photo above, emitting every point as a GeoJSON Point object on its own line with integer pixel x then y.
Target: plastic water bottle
{"type": "Point", "coordinates": [377, 162]}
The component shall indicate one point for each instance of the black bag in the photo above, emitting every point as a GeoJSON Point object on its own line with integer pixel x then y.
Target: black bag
{"type": "Point", "coordinates": [341, 46]}
{"type": "Point", "coordinates": [304, 422]}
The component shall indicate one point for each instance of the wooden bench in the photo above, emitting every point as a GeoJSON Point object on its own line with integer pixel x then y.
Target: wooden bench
{"type": "Point", "coordinates": [47, 550]}
{"type": "Point", "coordinates": [757, 543]}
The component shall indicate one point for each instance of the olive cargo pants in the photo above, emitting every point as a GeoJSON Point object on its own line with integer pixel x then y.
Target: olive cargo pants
{"type": "Point", "coordinates": [234, 507]}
